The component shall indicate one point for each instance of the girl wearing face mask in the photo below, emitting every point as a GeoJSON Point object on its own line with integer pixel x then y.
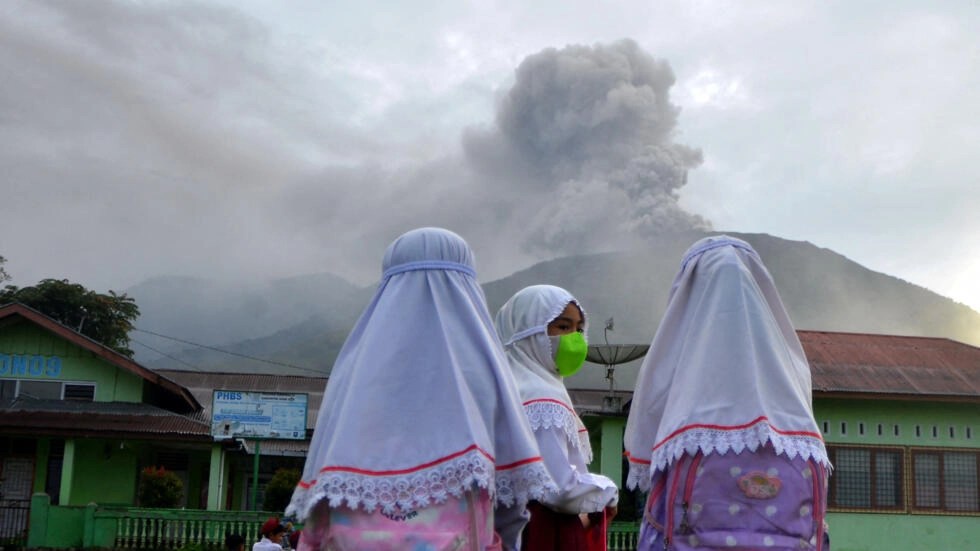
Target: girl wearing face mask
{"type": "Point", "coordinates": [543, 331]}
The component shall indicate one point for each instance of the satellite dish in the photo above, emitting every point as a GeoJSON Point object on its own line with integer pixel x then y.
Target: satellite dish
{"type": "Point", "coordinates": [611, 355]}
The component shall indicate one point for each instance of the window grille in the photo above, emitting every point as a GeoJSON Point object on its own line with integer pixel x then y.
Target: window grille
{"type": "Point", "coordinates": [867, 478]}
{"type": "Point", "coordinates": [946, 481]}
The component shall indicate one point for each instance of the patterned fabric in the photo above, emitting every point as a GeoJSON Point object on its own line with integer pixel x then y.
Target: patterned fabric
{"type": "Point", "coordinates": [748, 500]}
{"type": "Point", "coordinates": [457, 524]}
{"type": "Point", "coordinates": [545, 414]}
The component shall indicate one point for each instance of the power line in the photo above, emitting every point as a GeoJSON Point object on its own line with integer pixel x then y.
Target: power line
{"type": "Point", "coordinates": [230, 353]}
{"type": "Point", "coordinates": [162, 353]}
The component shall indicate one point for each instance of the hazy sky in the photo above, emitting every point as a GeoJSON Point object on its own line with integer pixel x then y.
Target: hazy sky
{"type": "Point", "coordinates": [249, 140]}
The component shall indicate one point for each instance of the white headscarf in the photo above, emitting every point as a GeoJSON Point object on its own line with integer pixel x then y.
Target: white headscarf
{"type": "Point", "coordinates": [726, 370]}
{"type": "Point", "coordinates": [522, 324]}
{"type": "Point", "coordinates": [420, 404]}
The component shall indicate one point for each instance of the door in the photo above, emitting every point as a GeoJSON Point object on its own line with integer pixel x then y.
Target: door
{"type": "Point", "coordinates": [16, 480]}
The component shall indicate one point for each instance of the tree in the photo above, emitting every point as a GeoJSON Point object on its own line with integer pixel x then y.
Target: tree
{"type": "Point", "coordinates": [4, 276]}
{"type": "Point", "coordinates": [280, 489]}
{"type": "Point", "coordinates": [107, 318]}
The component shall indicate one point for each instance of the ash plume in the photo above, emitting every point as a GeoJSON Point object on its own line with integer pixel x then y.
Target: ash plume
{"type": "Point", "coordinates": [587, 134]}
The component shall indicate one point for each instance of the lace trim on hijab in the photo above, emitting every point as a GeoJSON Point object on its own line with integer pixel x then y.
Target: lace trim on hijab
{"type": "Point", "coordinates": [402, 493]}
{"type": "Point", "coordinates": [546, 413]}
{"type": "Point", "coordinates": [719, 440]}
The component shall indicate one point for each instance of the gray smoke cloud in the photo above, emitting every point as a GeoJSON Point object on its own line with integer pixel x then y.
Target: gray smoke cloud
{"type": "Point", "coordinates": [192, 139]}
{"type": "Point", "coordinates": [592, 127]}
{"type": "Point", "coordinates": [580, 157]}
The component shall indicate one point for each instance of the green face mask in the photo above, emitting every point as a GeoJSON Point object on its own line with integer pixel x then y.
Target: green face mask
{"type": "Point", "coordinates": [570, 351]}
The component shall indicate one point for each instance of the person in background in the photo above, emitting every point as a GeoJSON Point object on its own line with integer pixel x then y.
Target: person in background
{"type": "Point", "coordinates": [421, 429]}
{"type": "Point", "coordinates": [234, 542]}
{"type": "Point", "coordinates": [543, 330]}
{"type": "Point", "coordinates": [272, 532]}
{"type": "Point", "coordinates": [721, 430]}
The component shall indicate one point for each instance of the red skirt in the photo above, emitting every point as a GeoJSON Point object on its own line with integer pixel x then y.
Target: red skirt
{"type": "Point", "coordinates": [552, 531]}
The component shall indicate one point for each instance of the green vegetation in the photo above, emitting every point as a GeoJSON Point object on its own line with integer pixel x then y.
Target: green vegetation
{"type": "Point", "coordinates": [105, 318]}
{"type": "Point", "coordinates": [159, 488]}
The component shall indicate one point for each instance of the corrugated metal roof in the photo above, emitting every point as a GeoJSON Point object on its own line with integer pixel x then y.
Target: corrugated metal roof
{"type": "Point", "coordinates": [203, 384]}
{"type": "Point", "coordinates": [890, 364]}
{"type": "Point", "coordinates": [292, 448]}
{"type": "Point", "coordinates": [118, 419]}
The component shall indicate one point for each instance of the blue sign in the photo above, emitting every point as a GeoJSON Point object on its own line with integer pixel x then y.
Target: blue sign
{"type": "Point", "coordinates": [24, 365]}
{"type": "Point", "coordinates": [273, 415]}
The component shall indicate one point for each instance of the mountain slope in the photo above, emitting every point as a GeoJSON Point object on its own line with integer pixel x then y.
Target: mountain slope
{"type": "Point", "coordinates": [821, 289]}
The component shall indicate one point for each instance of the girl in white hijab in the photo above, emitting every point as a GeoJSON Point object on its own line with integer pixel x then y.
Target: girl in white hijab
{"type": "Point", "coordinates": [721, 429]}
{"type": "Point", "coordinates": [542, 328]}
{"type": "Point", "coordinates": [421, 429]}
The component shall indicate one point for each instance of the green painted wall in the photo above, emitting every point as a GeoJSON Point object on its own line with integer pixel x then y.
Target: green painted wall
{"type": "Point", "coordinates": [872, 532]}
{"type": "Point", "coordinates": [77, 364]}
{"type": "Point", "coordinates": [64, 528]}
{"type": "Point", "coordinates": [103, 474]}
{"type": "Point", "coordinates": [906, 415]}
{"type": "Point", "coordinates": [901, 532]}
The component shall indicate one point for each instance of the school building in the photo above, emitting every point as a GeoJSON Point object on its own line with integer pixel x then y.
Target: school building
{"type": "Point", "coordinates": [78, 421]}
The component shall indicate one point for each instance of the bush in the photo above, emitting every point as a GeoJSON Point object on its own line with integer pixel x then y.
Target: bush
{"type": "Point", "coordinates": [279, 490]}
{"type": "Point", "coordinates": [159, 488]}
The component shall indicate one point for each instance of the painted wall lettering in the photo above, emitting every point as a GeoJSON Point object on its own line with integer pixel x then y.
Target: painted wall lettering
{"type": "Point", "coordinates": [36, 365]}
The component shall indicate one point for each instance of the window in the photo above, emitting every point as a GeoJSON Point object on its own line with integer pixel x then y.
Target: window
{"type": "Point", "coordinates": [866, 478]}
{"type": "Point", "coordinates": [41, 390]}
{"type": "Point", "coordinates": [79, 392]}
{"type": "Point", "coordinates": [8, 389]}
{"type": "Point", "coordinates": [826, 427]}
{"type": "Point", "coordinates": [843, 427]}
{"type": "Point", "coordinates": [861, 429]}
{"type": "Point", "coordinates": [47, 390]}
{"type": "Point", "coordinates": [945, 480]}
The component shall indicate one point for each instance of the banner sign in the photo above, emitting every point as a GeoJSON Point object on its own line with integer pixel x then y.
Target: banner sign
{"type": "Point", "coordinates": [272, 415]}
